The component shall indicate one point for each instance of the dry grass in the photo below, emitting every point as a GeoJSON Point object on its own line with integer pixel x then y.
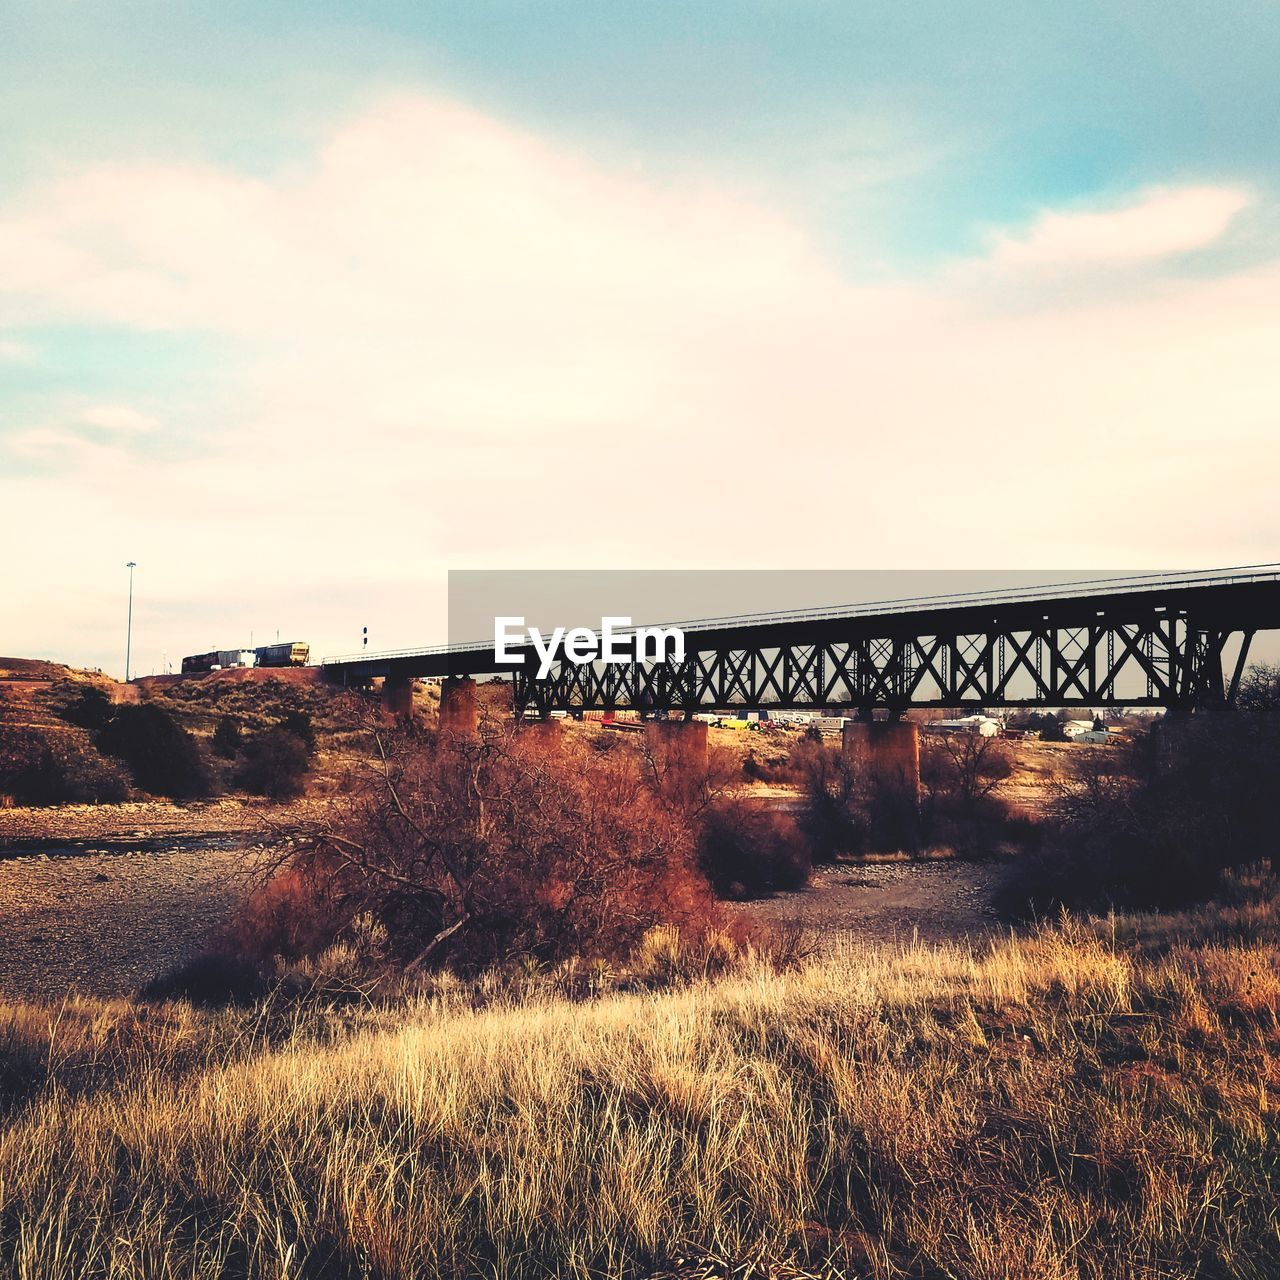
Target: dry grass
{"type": "Point", "coordinates": [1092, 1101]}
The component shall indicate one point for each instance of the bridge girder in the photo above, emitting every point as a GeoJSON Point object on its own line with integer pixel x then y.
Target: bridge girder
{"type": "Point", "coordinates": [1162, 659]}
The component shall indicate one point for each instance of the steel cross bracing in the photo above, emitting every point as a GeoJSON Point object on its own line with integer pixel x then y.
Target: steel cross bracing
{"type": "Point", "coordinates": [1162, 659]}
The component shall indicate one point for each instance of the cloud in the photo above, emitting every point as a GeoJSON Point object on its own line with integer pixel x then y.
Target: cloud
{"type": "Point", "coordinates": [119, 418]}
{"type": "Point", "coordinates": [455, 343]}
{"type": "Point", "coordinates": [1159, 223]}
{"type": "Point", "coordinates": [16, 352]}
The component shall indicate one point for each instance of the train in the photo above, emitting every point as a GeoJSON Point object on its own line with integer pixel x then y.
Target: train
{"type": "Point", "coordinates": [292, 653]}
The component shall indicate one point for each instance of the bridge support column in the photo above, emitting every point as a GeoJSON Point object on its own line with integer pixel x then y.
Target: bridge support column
{"type": "Point", "coordinates": [546, 732]}
{"type": "Point", "coordinates": [1166, 741]}
{"type": "Point", "coordinates": [458, 711]}
{"type": "Point", "coordinates": [677, 746]}
{"type": "Point", "coordinates": [887, 753]}
{"type": "Point", "coordinates": [397, 697]}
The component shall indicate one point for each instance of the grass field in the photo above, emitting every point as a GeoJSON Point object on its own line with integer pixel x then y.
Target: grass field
{"type": "Point", "coordinates": [1090, 1100]}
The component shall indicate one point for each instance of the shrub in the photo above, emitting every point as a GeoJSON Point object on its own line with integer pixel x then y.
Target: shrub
{"type": "Point", "coordinates": [86, 706]}
{"type": "Point", "coordinates": [298, 723]}
{"type": "Point", "coordinates": [962, 776]}
{"type": "Point", "coordinates": [745, 850]}
{"type": "Point", "coordinates": [57, 767]}
{"type": "Point", "coordinates": [274, 764]}
{"type": "Point", "coordinates": [835, 818]}
{"type": "Point", "coordinates": [775, 767]}
{"type": "Point", "coordinates": [227, 738]}
{"type": "Point", "coordinates": [211, 980]}
{"type": "Point", "coordinates": [964, 770]}
{"type": "Point", "coordinates": [476, 850]}
{"type": "Point", "coordinates": [163, 757]}
{"type": "Point", "coordinates": [1157, 826]}
{"type": "Point", "coordinates": [291, 914]}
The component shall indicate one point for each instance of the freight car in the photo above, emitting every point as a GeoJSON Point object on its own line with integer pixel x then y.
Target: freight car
{"type": "Point", "coordinates": [293, 653]}
{"type": "Point", "coordinates": [218, 660]}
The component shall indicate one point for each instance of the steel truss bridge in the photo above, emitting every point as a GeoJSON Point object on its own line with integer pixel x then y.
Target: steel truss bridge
{"type": "Point", "coordinates": [1174, 640]}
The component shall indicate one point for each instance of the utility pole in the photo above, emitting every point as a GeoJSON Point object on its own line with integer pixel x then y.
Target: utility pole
{"type": "Point", "coordinates": [128, 643]}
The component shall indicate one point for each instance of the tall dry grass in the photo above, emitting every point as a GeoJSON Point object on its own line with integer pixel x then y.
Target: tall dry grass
{"type": "Point", "coordinates": [1091, 1100]}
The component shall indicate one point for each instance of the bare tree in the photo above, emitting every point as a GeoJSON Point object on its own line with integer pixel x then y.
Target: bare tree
{"type": "Point", "coordinates": [475, 848]}
{"type": "Point", "coordinates": [973, 767]}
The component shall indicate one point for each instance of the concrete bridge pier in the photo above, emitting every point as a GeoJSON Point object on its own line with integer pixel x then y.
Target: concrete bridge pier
{"type": "Point", "coordinates": [887, 753]}
{"type": "Point", "coordinates": [677, 745]}
{"type": "Point", "coordinates": [397, 698]}
{"type": "Point", "coordinates": [546, 732]}
{"type": "Point", "coordinates": [459, 712]}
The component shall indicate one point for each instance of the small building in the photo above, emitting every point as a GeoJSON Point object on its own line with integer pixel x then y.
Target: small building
{"type": "Point", "coordinates": [1074, 730]}
{"type": "Point", "coordinates": [830, 726]}
{"type": "Point", "coordinates": [982, 726]}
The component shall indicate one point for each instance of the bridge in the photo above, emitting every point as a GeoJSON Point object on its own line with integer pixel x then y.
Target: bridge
{"type": "Point", "coordinates": [1173, 640]}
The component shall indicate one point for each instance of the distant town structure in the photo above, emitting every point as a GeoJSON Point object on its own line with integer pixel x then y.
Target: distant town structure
{"type": "Point", "coordinates": [1086, 731]}
{"type": "Point", "coordinates": [983, 726]}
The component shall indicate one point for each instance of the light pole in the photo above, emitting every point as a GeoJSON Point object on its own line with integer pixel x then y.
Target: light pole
{"type": "Point", "coordinates": [128, 643]}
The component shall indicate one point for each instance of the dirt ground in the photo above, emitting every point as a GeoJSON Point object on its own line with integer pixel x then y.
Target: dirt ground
{"type": "Point", "coordinates": [940, 900]}
{"type": "Point", "coordinates": [102, 898]}
{"type": "Point", "coordinates": [149, 820]}
{"type": "Point", "coordinates": [106, 923]}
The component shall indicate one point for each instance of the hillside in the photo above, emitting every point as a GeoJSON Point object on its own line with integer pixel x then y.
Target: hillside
{"type": "Point", "coordinates": [28, 686]}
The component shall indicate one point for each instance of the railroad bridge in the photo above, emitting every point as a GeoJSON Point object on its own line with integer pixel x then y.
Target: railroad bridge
{"type": "Point", "coordinates": [1174, 640]}
{"type": "Point", "coordinates": [1177, 641]}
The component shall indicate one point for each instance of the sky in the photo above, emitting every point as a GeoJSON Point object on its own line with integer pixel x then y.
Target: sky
{"type": "Point", "coordinates": [304, 306]}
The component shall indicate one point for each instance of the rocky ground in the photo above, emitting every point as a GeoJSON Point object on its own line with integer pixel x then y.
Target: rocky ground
{"type": "Point", "coordinates": [942, 900]}
{"type": "Point", "coordinates": [107, 922]}
{"type": "Point", "coordinates": [102, 898]}
{"type": "Point", "coordinates": [147, 819]}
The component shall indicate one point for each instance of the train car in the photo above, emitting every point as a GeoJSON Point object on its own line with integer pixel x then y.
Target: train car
{"type": "Point", "coordinates": [197, 663]}
{"type": "Point", "coordinates": [292, 653]}
{"type": "Point", "coordinates": [235, 657]}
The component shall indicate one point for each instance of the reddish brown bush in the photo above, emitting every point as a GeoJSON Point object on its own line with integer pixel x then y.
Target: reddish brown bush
{"type": "Point", "coordinates": [514, 842]}
{"type": "Point", "coordinates": [745, 849]}
{"type": "Point", "coordinates": [56, 766]}
{"type": "Point", "coordinates": [291, 914]}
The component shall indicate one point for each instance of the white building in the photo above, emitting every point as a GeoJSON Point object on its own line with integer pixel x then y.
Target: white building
{"type": "Point", "coordinates": [983, 726]}
{"type": "Point", "coordinates": [1073, 730]}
